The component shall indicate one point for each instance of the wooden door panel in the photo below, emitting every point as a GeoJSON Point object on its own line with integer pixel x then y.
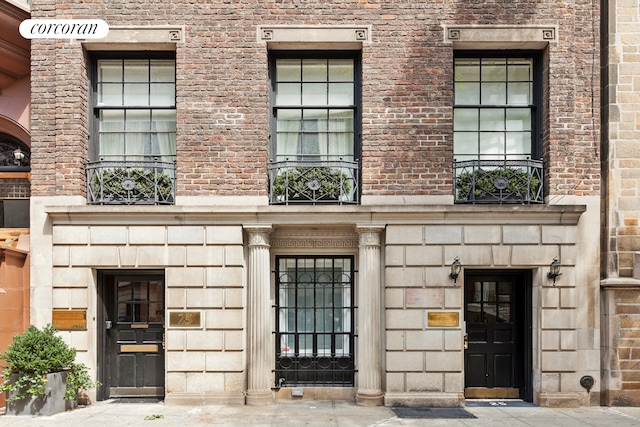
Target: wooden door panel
{"type": "Point", "coordinates": [134, 343]}
{"type": "Point", "coordinates": [493, 332]}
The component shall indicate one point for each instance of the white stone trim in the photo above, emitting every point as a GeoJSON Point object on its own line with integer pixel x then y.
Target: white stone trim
{"type": "Point", "coordinates": [485, 37]}
{"type": "Point", "coordinates": [138, 38]}
{"type": "Point", "coordinates": [313, 36]}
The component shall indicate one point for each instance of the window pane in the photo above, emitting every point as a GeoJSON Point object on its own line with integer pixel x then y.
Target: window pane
{"type": "Point", "coordinates": [314, 121]}
{"type": "Point", "coordinates": [494, 94]}
{"type": "Point", "coordinates": [136, 94]}
{"type": "Point", "coordinates": [156, 314]}
{"type": "Point", "coordinates": [138, 121]}
{"type": "Point", "coordinates": [492, 119]}
{"type": "Point", "coordinates": [494, 70]}
{"type": "Point", "coordinates": [465, 143]}
{"type": "Point", "coordinates": [314, 70]}
{"type": "Point", "coordinates": [288, 94]}
{"type": "Point", "coordinates": [289, 120]}
{"type": "Point", "coordinates": [314, 94]}
{"type": "Point", "coordinates": [288, 70]}
{"type": "Point", "coordinates": [163, 71]}
{"type": "Point", "coordinates": [110, 70]}
{"type": "Point", "coordinates": [110, 94]}
{"type": "Point", "coordinates": [465, 119]}
{"type": "Point", "coordinates": [111, 120]}
{"type": "Point", "coordinates": [518, 143]}
{"type": "Point", "coordinates": [341, 146]}
{"type": "Point", "coordinates": [520, 70]}
{"type": "Point", "coordinates": [341, 94]}
{"type": "Point", "coordinates": [467, 70]}
{"type": "Point", "coordinates": [164, 120]}
{"type": "Point", "coordinates": [341, 120]}
{"type": "Point", "coordinates": [163, 94]}
{"type": "Point", "coordinates": [341, 70]}
{"type": "Point", "coordinates": [111, 144]}
{"type": "Point", "coordinates": [492, 143]}
{"type": "Point", "coordinates": [467, 93]}
{"type": "Point", "coordinates": [519, 93]}
{"type": "Point", "coordinates": [518, 119]}
{"type": "Point", "coordinates": [136, 71]}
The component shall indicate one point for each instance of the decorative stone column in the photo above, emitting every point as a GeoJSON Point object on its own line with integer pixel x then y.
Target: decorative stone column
{"type": "Point", "coordinates": [368, 357]}
{"type": "Point", "coordinates": [259, 333]}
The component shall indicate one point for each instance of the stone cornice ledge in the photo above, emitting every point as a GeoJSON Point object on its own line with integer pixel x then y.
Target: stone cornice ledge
{"type": "Point", "coordinates": [620, 282]}
{"type": "Point", "coordinates": [305, 214]}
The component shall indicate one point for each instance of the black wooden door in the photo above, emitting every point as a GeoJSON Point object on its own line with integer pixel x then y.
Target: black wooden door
{"type": "Point", "coordinates": [494, 313]}
{"type": "Point", "coordinates": [134, 336]}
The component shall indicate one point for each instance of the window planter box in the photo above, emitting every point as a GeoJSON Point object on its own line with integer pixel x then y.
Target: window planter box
{"type": "Point", "coordinates": [127, 183]}
{"type": "Point", "coordinates": [489, 181]}
{"type": "Point", "coordinates": [305, 182]}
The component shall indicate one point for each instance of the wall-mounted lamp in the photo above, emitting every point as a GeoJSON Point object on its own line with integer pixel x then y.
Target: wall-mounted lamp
{"type": "Point", "coordinates": [18, 157]}
{"type": "Point", "coordinates": [456, 266]}
{"type": "Point", "coordinates": [554, 270]}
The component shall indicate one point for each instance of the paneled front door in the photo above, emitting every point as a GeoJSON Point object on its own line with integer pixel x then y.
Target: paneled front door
{"type": "Point", "coordinates": [495, 313]}
{"type": "Point", "coordinates": [133, 322]}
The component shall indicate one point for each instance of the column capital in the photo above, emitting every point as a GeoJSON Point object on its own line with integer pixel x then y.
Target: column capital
{"type": "Point", "coordinates": [370, 234]}
{"type": "Point", "coordinates": [258, 234]}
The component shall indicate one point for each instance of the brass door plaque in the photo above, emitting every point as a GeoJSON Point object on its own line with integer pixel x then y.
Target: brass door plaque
{"type": "Point", "coordinates": [443, 318]}
{"type": "Point", "coordinates": [139, 348]}
{"type": "Point", "coordinates": [185, 319]}
{"type": "Point", "coordinates": [69, 320]}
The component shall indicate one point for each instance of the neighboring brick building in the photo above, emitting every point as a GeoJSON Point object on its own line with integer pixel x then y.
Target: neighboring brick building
{"type": "Point", "coordinates": [236, 202]}
{"type": "Point", "coordinates": [15, 145]}
{"type": "Point", "coordinates": [621, 207]}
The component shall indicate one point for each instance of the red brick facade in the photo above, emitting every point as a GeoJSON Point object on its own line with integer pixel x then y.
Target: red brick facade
{"type": "Point", "coordinates": [407, 91]}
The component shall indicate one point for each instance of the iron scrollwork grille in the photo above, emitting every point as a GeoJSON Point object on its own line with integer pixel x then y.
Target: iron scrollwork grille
{"type": "Point", "coordinates": [314, 321]}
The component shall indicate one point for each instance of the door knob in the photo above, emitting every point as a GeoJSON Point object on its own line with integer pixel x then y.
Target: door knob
{"type": "Point", "coordinates": [466, 341]}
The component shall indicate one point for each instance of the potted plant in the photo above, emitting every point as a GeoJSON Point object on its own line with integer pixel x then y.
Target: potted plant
{"type": "Point", "coordinates": [312, 183]}
{"type": "Point", "coordinates": [41, 376]}
{"type": "Point", "coordinates": [132, 184]}
{"type": "Point", "coordinates": [510, 184]}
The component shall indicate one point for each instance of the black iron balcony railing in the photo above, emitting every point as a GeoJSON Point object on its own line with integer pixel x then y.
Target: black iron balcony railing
{"type": "Point", "coordinates": [498, 181]}
{"type": "Point", "coordinates": [131, 182]}
{"type": "Point", "coordinates": [313, 182]}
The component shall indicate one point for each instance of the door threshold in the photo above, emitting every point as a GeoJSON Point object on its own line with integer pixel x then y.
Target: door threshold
{"type": "Point", "coordinates": [497, 403]}
{"type": "Point", "coordinates": [491, 393]}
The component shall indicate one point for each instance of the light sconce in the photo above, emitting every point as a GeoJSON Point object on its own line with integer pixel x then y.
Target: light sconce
{"type": "Point", "coordinates": [456, 266]}
{"type": "Point", "coordinates": [18, 156]}
{"type": "Point", "coordinates": [554, 270]}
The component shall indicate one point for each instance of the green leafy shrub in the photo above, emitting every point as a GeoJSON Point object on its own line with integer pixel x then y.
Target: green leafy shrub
{"type": "Point", "coordinates": [312, 183]}
{"type": "Point", "coordinates": [35, 354]}
{"type": "Point", "coordinates": [517, 183]}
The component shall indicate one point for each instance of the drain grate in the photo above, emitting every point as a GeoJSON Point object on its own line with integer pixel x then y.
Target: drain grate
{"type": "Point", "coordinates": [431, 413]}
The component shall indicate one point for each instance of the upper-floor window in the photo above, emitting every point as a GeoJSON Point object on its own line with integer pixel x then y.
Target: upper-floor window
{"type": "Point", "coordinates": [134, 132]}
{"type": "Point", "coordinates": [495, 131]}
{"type": "Point", "coordinates": [15, 182]}
{"type": "Point", "coordinates": [315, 126]}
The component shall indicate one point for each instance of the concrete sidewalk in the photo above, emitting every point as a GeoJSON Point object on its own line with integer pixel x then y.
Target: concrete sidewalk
{"type": "Point", "coordinates": [320, 413]}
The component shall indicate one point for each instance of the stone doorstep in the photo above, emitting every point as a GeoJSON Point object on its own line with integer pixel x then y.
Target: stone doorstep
{"type": "Point", "coordinates": [558, 400]}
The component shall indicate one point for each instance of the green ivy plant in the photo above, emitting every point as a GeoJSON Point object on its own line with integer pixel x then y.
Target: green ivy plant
{"type": "Point", "coordinates": [311, 183]}
{"type": "Point", "coordinates": [518, 183]}
{"type": "Point", "coordinates": [144, 183]}
{"type": "Point", "coordinates": [35, 354]}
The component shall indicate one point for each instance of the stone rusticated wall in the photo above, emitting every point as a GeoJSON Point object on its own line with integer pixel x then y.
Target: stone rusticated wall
{"type": "Point", "coordinates": [204, 267]}
{"type": "Point", "coordinates": [426, 364]}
